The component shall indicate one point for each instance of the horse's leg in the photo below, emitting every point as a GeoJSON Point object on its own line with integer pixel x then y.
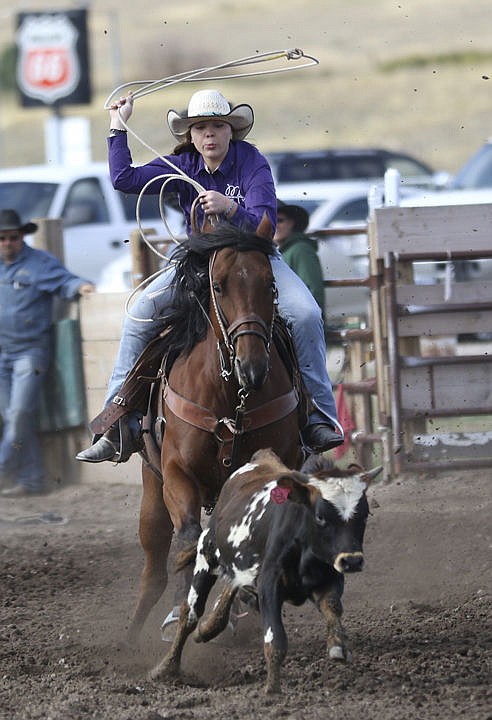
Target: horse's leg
{"type": "Point", "coordinates": [183, 500]}
{"type": "Point", "coordinates": [156, 531]}
{"type": "Point", "coordinates": [183, 582]}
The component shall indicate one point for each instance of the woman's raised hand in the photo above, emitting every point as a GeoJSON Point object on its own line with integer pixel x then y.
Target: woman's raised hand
{"type": "Point", "coordinates": [121, 110]}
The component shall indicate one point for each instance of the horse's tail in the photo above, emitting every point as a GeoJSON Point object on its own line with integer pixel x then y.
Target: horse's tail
{"type": "Point", "coordinates": [186, 557]}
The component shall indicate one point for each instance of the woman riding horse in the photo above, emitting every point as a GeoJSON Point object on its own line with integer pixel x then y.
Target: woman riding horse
{"type": "Point", "coordinates": [239, 189]}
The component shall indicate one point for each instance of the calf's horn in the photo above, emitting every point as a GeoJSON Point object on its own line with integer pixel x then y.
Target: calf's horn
{"type": "Point", "coordinates": [369, 476]}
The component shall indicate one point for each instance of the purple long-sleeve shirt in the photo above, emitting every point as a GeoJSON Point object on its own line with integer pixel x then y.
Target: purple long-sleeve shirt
{"type": "Point", "coordinates": [244, 175]}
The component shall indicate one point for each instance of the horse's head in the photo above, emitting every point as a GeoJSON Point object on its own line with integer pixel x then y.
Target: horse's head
{"type": "Point", "coordinates": [242, 291]}
{"type": "Point", "coordinates": [242, 302]}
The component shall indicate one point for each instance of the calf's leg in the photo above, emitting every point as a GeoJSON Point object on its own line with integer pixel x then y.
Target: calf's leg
{"type": "Point", "coordinates": [330, 604]}
{"type": "Point", "coordinates": [218, 618]}
{"type": "Point", "coordinates": [274, 636]}
{"type": "Point", "coordinates": [169, 667]}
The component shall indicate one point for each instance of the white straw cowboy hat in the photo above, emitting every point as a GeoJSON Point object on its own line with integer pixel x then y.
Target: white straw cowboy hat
{"type": "Point", "coordinates": [10, 220]}
{"type": "Point", "coordinates": [211, 104]}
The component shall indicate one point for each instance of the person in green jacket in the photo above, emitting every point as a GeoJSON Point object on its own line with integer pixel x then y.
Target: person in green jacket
{"type": "Point", "coordinates": [299, 250]}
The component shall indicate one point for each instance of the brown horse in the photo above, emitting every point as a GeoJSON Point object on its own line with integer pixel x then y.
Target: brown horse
{"type": "Point", "coordinates": [227, 394]}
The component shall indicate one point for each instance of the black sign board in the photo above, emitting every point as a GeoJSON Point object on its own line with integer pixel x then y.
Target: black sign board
{"type": "Point", "coordinates": [53, 58]}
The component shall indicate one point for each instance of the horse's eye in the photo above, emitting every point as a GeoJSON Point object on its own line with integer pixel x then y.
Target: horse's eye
{"type": "Point", "coordinates": [216, 287]}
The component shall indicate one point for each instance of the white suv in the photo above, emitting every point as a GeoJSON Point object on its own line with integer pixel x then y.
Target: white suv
{"type": "Point", "coordinates": [97, 219]}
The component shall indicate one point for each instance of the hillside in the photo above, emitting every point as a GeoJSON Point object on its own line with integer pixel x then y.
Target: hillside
{"type": "Point", "coordinates": [405, 75]}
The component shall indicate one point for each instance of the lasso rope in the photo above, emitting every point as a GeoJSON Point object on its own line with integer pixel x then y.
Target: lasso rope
{"type": "Point", "coordinates": [146, 87]}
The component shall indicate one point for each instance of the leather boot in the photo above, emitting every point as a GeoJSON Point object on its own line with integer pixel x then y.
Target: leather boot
{"type": "Point", "coordinates": [107, 447]}
{"type": "Point", "coordinates": [117, 444]}
{"type": "Point", "coordinates": [321, 437]}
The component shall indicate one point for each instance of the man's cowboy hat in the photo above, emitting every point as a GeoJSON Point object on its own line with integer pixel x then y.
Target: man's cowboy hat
{"type": "Point", "coordinates": [295, 213]}
{"type": "Point", "coordinates": [10, 220]}
{"type": "Point", "coordinates": [211, 104]}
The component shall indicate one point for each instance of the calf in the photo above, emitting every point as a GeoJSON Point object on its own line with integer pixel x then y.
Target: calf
{"type": "Point", "coordinates": [283, 536]}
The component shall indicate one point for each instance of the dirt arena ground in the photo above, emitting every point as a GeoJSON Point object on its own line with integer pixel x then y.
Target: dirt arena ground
{"type": "Point", "coordinates": [418, 617]}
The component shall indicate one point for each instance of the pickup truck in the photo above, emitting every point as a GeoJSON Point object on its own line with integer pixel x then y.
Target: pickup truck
{"type": "Point", "coordinates": [97, 220]}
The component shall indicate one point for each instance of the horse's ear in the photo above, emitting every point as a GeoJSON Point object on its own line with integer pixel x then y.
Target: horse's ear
{"type": "Point", "coordinates": [264, 229]}
{"type": "Point", "coordinates": [207, 226]}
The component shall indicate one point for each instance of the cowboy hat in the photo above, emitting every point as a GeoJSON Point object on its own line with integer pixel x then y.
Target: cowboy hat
{"type": "Point", "coordinates": [211, 104]}
{"type": "Point", "coordinates": [296, 213]}
{"type": "Point", "coordinates": [10, 220]}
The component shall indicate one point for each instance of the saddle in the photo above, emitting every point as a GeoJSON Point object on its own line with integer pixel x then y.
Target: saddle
{"type": "Point", "coordinates": [154, 363]}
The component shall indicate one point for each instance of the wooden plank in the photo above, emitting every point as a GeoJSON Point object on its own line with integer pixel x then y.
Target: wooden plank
{"type": "Point", "coordinates": [432, 447]}
{"type": "Point", "coordinates": [377, 322]}
{"type": "Point", "coordinates": [428, 231]}
{"type": "Point", "coordinates": [439, 324]}
{"type": "Point", "coordinates": [99, 357]}
{"type": "Point", "coordinates": [101, 316]}
{"type": "Point", "coordinates": [461, 292]}
{"type": "Point", "coordinates": [443, 387]}
{"type": "Point", "coordinates": [95, 401]}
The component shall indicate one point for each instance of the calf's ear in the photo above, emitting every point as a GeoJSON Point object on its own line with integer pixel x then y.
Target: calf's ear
{"type": "Point", "coordinates": [291, 486]}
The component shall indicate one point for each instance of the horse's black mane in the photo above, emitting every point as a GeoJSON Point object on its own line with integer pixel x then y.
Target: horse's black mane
{"type": "Point", "coordinates": [186, 321]}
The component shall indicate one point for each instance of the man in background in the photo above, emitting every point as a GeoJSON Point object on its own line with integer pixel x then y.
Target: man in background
{"type": "Point", "coordinates": [298, 249]}
{"type": "Point", "coordinates": [29, 279]}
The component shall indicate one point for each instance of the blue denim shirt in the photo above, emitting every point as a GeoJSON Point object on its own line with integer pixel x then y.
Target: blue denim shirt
{"type": "Point", "coordinates": [27, 286]}
{"type": "Point", "coordinates": [244, 175]}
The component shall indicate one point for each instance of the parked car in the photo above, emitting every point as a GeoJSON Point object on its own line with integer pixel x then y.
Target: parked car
{"type": "Point", "coordinates": [97, 220]}
{"type": "Point", "coordinates": [476, 173]}
{"type": "Point", "coordinates": [354, 164]}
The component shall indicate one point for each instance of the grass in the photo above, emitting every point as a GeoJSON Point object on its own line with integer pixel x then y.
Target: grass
{"type": "Point", "coordinates": [466, 59]}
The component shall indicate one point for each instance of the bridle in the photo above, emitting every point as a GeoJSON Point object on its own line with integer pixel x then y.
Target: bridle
{"type": "Point", "coordinates": [251, 324]}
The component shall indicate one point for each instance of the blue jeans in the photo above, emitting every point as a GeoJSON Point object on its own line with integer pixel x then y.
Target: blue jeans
{"type": "Point", "coordinates": [21, 377]}
{"type": "Point", "coordinates": [296, 305]}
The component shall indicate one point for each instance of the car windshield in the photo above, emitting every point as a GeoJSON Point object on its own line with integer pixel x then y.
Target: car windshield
{"type": "Point", "coordinates": [352, 211]}
{"type": "Point", "coordinates": [477, 172]}
{"type": "Point", "coordinates": [300, 169]}
{"type": "Point", "coordinates": [30, 199]}
{"type": "Point", "coordinates": [149, 206]}
{"type": "Point", "coordinates": [319, 167]}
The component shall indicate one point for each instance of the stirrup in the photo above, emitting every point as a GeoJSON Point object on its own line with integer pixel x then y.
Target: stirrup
{"type": "Point", "coordinates": [129, 442]}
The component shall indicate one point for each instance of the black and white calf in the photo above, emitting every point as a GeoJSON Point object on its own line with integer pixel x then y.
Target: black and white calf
{"type": "Point", "coordinates": [285, 536]}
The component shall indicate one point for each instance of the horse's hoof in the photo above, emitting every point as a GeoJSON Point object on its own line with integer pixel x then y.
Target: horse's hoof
{"type": "Point", "coordinates": [164, 671]}
{"type": "Point", "coordinates": [337, 652]}
{"type": "Point", "coordinates": [168, 629]}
